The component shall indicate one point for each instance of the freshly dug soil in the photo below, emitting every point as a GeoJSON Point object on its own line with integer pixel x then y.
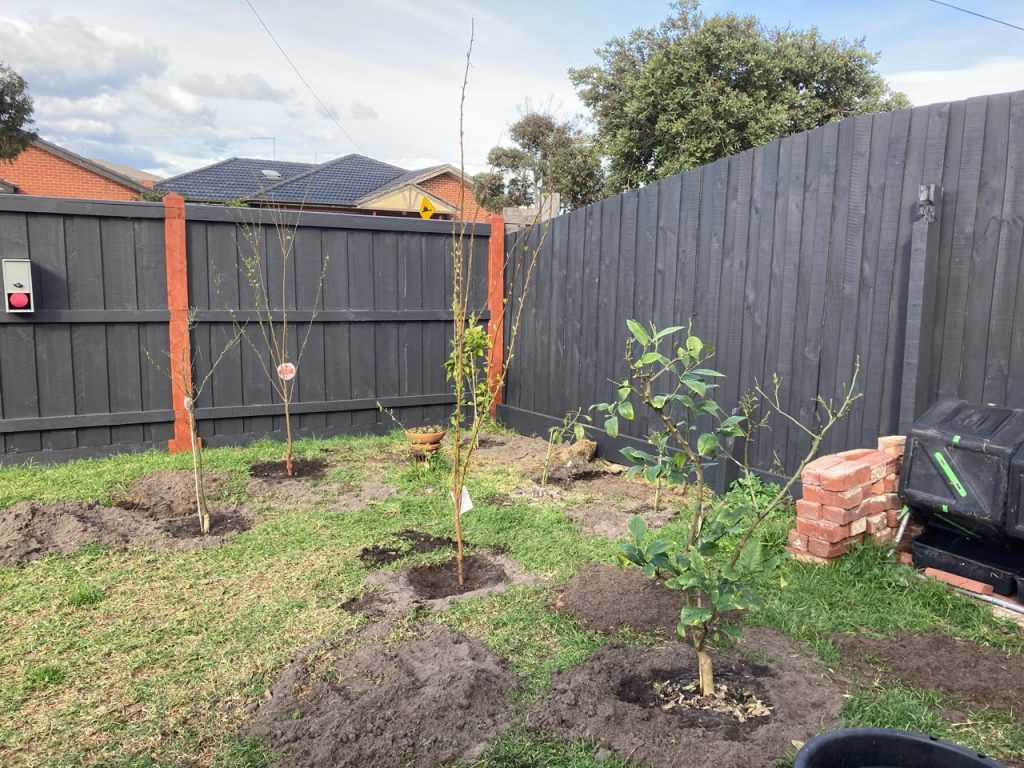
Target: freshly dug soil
{"type": "Point", "coordinates": [361, 495]}
{"type": "Point", "coordinates": [415, 543]}
{"type": "Point", "coordinates": [437, 700]}
{"type": "Point", "coordinates": [30, 530]}
{"type": "Point", "coordinates": [600, 701]}
{"type": "Point", "coordinates": [526, 453]}
{"type": "Point", "coordinates": [979, 676]}
{"type": "Point", "coordinates": [431, 582]}
{"type": "Point", "coordinates": [169, 493]}
{"type": "Point", "coordinates": [395, 592]}
{"type": "Point", "coordinates": [304, 469]}
{"type": "Point", "coordinates": [610, 599]}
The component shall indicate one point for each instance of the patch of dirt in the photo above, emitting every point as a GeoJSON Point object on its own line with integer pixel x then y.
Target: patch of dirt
{"type": "Point", "coordinates": [300, 493]}
{"type": "Point", "coordinates": [599, 701]}
{"type": "Point", "coordinates": [304, 469]}
{"type": "Point", "coordinates": [169, 493]}
{"type": "Point", "coordinates": [361, 495]}
{"type": "Point", "coordinates": [432, 582]}
{"type": "Point", "coordinates": [441, 698]}
{"type": "Point", "coordinates": [611, 599]}
{"type": "Point", "coordinates": [30, 530]}
{"type": "Point", "coordinates": [396, 592]}
{"type": "Point", "coordinates": [416, 543]}
{"type": "Point", "coordinates": [611, 521]}
{"type": "Point", "coordinates": [527, 453]}
{"type": "Point", "coordinates": [981, 677]}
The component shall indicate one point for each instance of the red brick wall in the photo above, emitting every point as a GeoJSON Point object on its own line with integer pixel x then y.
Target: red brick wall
{"type": "Point", "coordinates": [37, 172]}
{"type": "Point", "coordinates": [447, 187]}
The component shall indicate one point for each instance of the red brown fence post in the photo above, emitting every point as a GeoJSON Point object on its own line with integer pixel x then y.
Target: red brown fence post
{"type": "Point", "coordinates": [496, 306]}
{"type": "Point", "coordinates": [179, 348]}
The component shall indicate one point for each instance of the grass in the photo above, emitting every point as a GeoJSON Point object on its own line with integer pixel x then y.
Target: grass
{"type": "Point", "coordinates": [142, 659]}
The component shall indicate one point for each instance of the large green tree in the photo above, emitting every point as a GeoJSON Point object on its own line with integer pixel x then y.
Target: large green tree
{"type": "Point", "coordinates": [15, 114]}
{"type": "Point", "coordinates": [548, 155]}
{"type": "Point", "coordinates": [698, 88]}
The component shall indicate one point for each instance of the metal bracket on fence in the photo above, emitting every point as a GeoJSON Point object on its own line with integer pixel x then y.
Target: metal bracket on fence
{"type": "Point", "coordinates": [926, 209]}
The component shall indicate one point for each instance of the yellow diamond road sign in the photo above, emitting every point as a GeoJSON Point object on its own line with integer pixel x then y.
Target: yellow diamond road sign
{"type": "Point", "coordinates": [426, 208]}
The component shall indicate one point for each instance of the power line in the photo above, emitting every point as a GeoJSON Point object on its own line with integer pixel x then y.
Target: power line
{"type": "Point", "coordinates": [287, 58]}
{"type": "Point", "coordinates": [979, 15]}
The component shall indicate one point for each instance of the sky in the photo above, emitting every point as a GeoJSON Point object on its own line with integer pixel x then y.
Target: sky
{"type": "Point", "coordinates": [170, 87]}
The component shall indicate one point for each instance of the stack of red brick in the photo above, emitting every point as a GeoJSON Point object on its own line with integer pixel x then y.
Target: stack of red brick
{"type": "Point", "coordinates": [847, 497]}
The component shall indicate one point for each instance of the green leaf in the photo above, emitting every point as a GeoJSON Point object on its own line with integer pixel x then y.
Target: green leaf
{"type": "Point", "coordinates": [578, 431]}
{"type": "Point", "coordinates": [733, 421]}
{"type": "Point", "coordinates": [626, 410]}
{"type": "Point", "coordinates": [611, 426]}
{"type": "Point", "coordinates": [692, 616]}
{"type": "Point", "coordinates": [752, 556]}
{"type": "Point", "coordinates": [637, 527]}
{"type": "Point", "coordinates": [707, 372]}
{"type": "Point", "coordinates": [667, 332]}
{"type": "Point", "coordinates": [683, 581]}
{"type": "Point", "coordinates": [658, 546]}
{"type": "Point", "coordinates": [638, 332]}
{"type": "Point", "coordinates": [652, 357]}
{"type": "Point", "coordinates": [696, 385]}
{"type": "Point", "coordinates": [694, 346]}
{"type": "Point", "coordinates": [624, 392]}
{"type": "Point", "coordinates": [707, 444]}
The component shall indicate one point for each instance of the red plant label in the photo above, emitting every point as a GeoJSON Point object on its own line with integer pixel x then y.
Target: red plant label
{"type": "Point", "coordinates": [286, 371]}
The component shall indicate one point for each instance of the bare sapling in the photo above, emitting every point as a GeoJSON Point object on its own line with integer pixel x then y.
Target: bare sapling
{"type": "Point", "coordinates": [464, 385]}
{"type": "Point", "coordinates": [570, 425]}
{"type": "Point", "coordinates": [722, 553]}
{"type": "Point", "coordinates": [279, 356]}
{"type": "Point", "coordinates": [179, 373]}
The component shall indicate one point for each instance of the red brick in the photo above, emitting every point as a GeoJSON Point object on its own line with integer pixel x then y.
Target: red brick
{"type": "Point", "coordinates": [844, 476]}
{"type": "Point", "coordinates": [859, 526]}
{"type": "Point", "coordinates": [882, 503]}
{"type": "Point", "coordinates": [855, 453]}
{"type": "Point", "coordinates": [808, 510]}
{"type": "Point", "coordinates": [959, 581]}
{"type": "Point", "coordinates": [905, 558]}
{"type": "Point", "coordinates": [822, 530]}
{"type": "Point", "coordinates": [893, 444]}
{"type": "Point", "coordinates": [831, 550]}
{"type": "Point", "coordinates": [807, 557]}
{"type": "Point", "coordinates": [887, 484]}
{"type": "Point", "coordinates": [812, 472]}
{"type": "Point", "coordinates": [877, 522]}
{"type": "Point", "coordinates": [892, 518]}
{"type": "Point", "coordinates": [797, 540]}
{"type": "Point", "coordinates": [842, 499]}
{"type": "Point", "coordinates": [881, 463]}
{"type": "Point", "coordinates": [840, 516]}
{"type": "Point", "coordinates": [884, 535]}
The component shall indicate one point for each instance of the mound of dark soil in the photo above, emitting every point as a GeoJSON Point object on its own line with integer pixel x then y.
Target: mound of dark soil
{"type": "Point", "coordinates": [979, 676]}
{"type": "Point", "coordinates": [415, 543]}
{"type": "Point", "coordinates": [303, 469]}
{"type": "Point", "coordinates": [611, 599]}
{"type": "Point", "coordinates": [600, 701]}
{"type": "Point", "coordinates": [437, 700]}
{"type": "Point", "coordinates": [30, 530]}
{"type": "Point", "coordinates": [169, 493]}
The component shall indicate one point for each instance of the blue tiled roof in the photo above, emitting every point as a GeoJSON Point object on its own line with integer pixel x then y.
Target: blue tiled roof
{"type": "Point", "coordinates": [338, 182]}
{"type": "Point", "coordinates": [237, 178]}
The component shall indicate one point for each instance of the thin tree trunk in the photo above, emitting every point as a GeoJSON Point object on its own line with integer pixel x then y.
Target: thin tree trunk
{"type": "Point", "coordinates": [197, 473]}
{"type": "Point", "coordinates": [457, 496]}
{"type": "Point", "coordinates": [289, 468]}
{"type": "Point", "coordinates": [707, 674]}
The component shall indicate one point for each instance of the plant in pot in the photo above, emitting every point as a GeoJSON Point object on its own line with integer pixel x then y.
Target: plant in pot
{"type": "Point", "coordinates": [425, 440]}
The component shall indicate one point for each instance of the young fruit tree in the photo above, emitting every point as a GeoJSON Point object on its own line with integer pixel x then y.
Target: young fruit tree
{"type": "Point", "coordinates": [179, 372]}
{"type": "Point", "coordinates": [278, 353]}
{"type": "Point", "coordinates": [462, 370]}
{"type": "Point", "coordinates": [722, 552]}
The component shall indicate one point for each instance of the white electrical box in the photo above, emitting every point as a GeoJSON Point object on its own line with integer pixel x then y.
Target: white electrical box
{"type": "Point", "coordinates": [18, 285]}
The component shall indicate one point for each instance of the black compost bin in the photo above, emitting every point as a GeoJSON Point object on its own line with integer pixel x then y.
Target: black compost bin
{"type": "Point", "coordinates": [957, 469]}
{"type": "Point", "coordinates": [886, 748]}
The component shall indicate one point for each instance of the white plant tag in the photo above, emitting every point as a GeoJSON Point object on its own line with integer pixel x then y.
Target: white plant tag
{"type": "Point", "coordinates": [467, 503]}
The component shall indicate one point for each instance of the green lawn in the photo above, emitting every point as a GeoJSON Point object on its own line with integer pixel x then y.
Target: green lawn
{"type": "Point", "coordinates": [142, 659]}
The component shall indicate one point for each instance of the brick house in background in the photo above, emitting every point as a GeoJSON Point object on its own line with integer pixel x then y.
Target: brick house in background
{"type": "Point", "coordinates": [44, 168]}
{"type": "Point", "coordinates": [350, 184]}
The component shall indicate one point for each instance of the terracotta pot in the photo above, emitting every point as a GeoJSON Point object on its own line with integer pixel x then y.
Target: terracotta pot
{"type": "Point", "coordinates": [425, 438]}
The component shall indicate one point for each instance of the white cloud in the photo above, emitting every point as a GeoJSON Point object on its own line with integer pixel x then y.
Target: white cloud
{"type": "Point", "coordinates": [991, 75]}
{"type": "Point", "coordinates": [64, 57]}
{"type": "Point", "coordinates": [248, 86]}
{"type": "Point", "coordinates": [362, 111]}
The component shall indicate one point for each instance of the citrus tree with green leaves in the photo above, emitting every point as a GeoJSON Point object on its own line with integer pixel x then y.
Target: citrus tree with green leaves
{"type": "Point", "coordinates": [715, 564]}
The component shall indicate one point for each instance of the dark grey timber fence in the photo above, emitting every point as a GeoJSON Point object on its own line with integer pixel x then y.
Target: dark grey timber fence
{"type": "Point", "coordinates": [799, 258]}
{"type": "Point", "coordinates": [75, 378]}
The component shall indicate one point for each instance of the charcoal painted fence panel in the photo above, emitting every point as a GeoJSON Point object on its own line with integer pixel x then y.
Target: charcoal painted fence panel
{"type": "Point", "coordinates": [78, 379]}
{"type": "Point", "coordinates": [796, 258]}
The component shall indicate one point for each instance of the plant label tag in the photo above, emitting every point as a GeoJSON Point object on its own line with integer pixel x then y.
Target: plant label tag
{"type": "Point", "coordinates": [466, 502]}
{"type": "Point", "coordinates": [286, 371]}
